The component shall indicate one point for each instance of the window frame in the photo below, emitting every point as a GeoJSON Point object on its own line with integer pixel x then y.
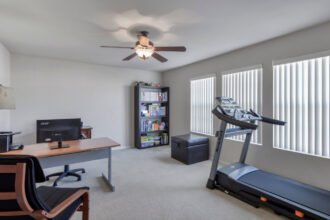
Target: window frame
{"type": "Point", "coordinates": [200, 77]}
{"type": "Point", "coordinates": [259, 111]}
{"type": "Point", "coordinates": [288, 61]}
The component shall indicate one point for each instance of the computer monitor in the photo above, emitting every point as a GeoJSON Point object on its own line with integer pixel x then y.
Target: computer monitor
{"type": "Point", "coordinates": [58, 130]}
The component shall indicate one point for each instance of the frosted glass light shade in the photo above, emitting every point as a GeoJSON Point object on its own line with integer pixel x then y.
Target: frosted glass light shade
{"type": "Point", "coordinates": [144, 52]}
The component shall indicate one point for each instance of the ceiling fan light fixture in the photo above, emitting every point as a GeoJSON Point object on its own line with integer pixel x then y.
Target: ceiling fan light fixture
{"type": "Point", "coordinates": [145, 49]}
{"type": "Point", "coordinates": [144, 52]}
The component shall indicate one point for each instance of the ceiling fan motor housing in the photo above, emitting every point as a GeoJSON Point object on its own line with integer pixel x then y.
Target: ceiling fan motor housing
{"type": "Point", "coordinates": [144, 40]}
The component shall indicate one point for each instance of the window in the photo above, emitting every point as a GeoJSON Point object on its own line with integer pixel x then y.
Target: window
{"type": "Point", "coordinates": [302, 99]}
{"type": "Point", "coordinates": [202, 95]}
{"type": "Point", "coordinates": [245, 87]}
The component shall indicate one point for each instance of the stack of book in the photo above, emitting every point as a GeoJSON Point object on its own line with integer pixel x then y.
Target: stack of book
{"type": "Point", "coordinates": [147, 96]}
{"type": "Point", "coordinates": [154, 109]}
{"type": "Point", "coordinates": [152, 125]}
{"type": "Point", "coordinates": [149, 141]}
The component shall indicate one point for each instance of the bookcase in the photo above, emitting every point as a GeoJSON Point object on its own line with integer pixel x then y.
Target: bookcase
{"type": "Point", "coordinates": [152, 116]}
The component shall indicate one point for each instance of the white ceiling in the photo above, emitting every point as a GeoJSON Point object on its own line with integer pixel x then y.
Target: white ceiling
{"type": "Point", "coordinates": [74, 29]}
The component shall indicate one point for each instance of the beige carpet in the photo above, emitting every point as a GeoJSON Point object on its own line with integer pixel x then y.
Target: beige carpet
{"type": "Point", "coordinates": [151, 185]}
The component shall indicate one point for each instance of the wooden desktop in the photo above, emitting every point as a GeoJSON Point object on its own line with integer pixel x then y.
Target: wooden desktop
{"type": "Point", "coordinates": [79, 151]}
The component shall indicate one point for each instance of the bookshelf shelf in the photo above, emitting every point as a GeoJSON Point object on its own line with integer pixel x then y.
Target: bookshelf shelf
{"type": "Point", "coordinates": [159, 145]}
{"type": "Point", "coordinates": [156, 116]}
{"type": "Point", "coordinates": [148, 102]}
{"type": "Point", "coordinates": [157, 131]}
{"type": "Point", "coordinates": [151, 116]}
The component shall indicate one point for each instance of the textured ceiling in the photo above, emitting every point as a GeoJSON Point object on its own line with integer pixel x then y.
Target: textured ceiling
{"type": "Point", "coordinates": [74, 29]}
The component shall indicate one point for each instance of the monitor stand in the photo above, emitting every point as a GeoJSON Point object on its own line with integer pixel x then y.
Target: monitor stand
{"type": "Point", "coordinates": [59, 146]}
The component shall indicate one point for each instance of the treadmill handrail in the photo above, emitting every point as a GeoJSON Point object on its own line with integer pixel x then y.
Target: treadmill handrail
{"type": "Point", "coordinates": [246, 125]}
{"type": "Point", "coordinates": [272, 121]}
{"type": "Point", "coordinates": [268, 120]}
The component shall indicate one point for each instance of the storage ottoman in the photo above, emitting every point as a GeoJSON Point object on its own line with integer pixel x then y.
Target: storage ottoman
{"type": "Point", "coordinates": [190, 148]}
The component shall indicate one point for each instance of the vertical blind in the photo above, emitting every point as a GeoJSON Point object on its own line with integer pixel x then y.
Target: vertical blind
{"type": "Point", "coordinates": [302, 99]}
{"type": "Point", "coordinates": [245, 87]}
{"type": "Point", "coordinates": [202, 97]}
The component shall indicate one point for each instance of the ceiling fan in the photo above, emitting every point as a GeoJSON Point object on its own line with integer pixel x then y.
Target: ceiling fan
{"type": "Point", "coordinates": [145, 49]}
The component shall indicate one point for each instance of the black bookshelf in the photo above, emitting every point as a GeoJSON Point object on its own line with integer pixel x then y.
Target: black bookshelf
{"type": "Point", "coordinates": [152, 116]}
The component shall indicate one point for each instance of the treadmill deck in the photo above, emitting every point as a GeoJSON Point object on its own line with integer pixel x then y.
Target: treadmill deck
{"type": "Point", "coordinates": [311, 197]}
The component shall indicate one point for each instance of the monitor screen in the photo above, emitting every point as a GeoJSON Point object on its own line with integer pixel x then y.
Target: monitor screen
{"type": "Point", "coordinates": [58, 130]}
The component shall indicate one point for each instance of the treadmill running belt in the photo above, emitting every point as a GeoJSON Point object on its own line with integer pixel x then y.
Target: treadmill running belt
{"type": "Point", "coordinates": [300, 193]}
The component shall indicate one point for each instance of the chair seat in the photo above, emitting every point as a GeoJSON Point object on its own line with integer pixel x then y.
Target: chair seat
{"type": "Point", "coordinates": [19, 174]}
{"type": "Point", "coordinates": [52, 197]}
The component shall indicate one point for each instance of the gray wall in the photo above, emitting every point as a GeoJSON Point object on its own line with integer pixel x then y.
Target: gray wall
{"type": "Point", "coordinates": [50, 88]}
{"type": "Point", "coordinates": [305, 168]}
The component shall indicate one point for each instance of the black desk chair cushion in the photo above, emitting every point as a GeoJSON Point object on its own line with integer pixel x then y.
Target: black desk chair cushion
{"type": "Point", "coordinates": [33, 174]}
{"type": "Point", "coordinates": [54, 196]}
{"type": "Point", "coordinates": [42, 198]}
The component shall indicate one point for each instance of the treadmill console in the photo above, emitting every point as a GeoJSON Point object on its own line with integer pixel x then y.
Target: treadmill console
{"type": "Point", "coordinates": [230, 108]}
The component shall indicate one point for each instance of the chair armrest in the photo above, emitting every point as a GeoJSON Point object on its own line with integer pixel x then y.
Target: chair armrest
{"type": "Point", "coordinates": [63, 205]}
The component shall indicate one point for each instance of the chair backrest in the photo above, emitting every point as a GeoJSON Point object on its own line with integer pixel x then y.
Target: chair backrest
{"type": "Point", "coordinates": [18, 177]}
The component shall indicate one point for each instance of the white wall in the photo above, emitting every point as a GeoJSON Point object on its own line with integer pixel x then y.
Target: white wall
{"type": "Point", "coordinates": [4, 80]}
{"type": "Point", "coordinates": [308, 169]}
{"type": "Point", "coordinates": [101, 95]}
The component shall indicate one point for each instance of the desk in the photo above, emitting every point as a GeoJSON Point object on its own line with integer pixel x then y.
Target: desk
{"type": "Point", "coordinates": [79, 151]}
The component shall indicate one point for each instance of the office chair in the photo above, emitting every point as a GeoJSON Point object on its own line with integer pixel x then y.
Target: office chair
{"type": "Point", "coordinates": [21, 200]}
{"type": "Point", "coordinates": [67, 172]}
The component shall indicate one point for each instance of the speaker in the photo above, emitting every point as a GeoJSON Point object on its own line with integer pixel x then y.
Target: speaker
{"type": "Point", "coordinates": [6, 139]}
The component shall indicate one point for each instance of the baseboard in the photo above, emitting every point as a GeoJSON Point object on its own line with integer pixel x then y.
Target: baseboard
{"type": "Point", "coordinates": [222, 162]}
{"type": "Point", "coordinates": [120, 148]}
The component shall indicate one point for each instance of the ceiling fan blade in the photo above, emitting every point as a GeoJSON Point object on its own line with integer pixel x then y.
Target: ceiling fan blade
{"type": "Point", "coordinates": [177, 49]}
{"type": "Point", "coordinates": [158, 57]}
{"type": "Point", "coordinates": [130, 57]}
{"type": "Point", "coordinates": [103, 46]}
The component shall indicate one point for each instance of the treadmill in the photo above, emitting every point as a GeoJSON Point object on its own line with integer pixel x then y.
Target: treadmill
{"type": "Point", "coordinates": [285, 196]}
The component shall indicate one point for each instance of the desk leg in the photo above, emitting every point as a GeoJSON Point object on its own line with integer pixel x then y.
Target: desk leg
{"type": "Point", "coordinates": [108, 179]}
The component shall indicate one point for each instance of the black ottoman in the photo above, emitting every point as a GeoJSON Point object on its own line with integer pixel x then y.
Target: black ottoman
{"type": "Point", "coordinates": [190, 148]}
